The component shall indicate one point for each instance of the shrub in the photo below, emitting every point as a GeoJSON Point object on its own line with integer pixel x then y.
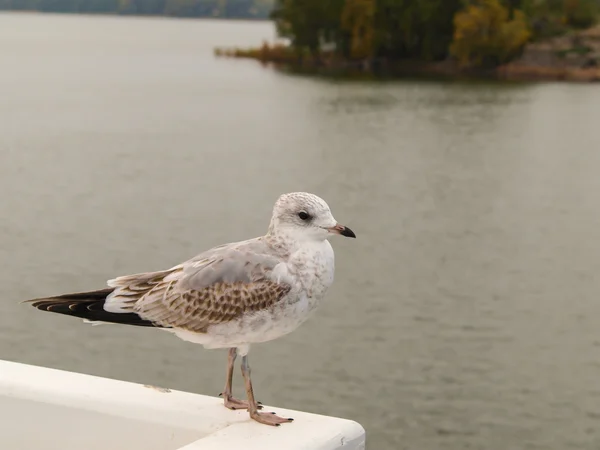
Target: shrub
{"type": "Point", "coordinates": [485, 37]}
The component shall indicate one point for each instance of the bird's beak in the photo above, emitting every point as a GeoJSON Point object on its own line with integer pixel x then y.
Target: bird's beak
{"type": "Point", "coordinates": [342, 230]}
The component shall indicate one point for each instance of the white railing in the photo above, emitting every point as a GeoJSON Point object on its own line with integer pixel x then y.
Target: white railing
{"type": "Point", "coordinates": [43, 408]}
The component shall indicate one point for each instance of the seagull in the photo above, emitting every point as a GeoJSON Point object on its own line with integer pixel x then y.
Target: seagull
{"type": "Point", "coordinates": [231, 296]}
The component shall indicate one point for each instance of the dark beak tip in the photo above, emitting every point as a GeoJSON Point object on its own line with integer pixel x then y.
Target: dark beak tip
{"type": "Point", "coordinates": [348, 233]}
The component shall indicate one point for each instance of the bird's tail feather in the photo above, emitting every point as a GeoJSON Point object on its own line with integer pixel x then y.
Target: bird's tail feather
{"type": "Point", "coordinates": [88, 306]}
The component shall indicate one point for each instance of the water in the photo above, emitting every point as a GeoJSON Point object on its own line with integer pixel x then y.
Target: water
{"type": "Point", "coordinates": [465, 315]}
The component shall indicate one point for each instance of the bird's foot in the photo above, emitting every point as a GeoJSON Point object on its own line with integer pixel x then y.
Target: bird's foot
{"type": "Point", "coordinates": [269, 418]}
{"type": "Point", "coordinates": [234, 403]}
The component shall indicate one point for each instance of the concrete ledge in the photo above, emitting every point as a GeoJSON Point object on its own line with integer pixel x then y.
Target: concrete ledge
{"type": "Point", "coordinates": [45, 408]}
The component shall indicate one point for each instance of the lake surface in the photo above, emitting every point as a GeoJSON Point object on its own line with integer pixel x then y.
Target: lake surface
{"type": "Point", "coordinates": [465, 316]}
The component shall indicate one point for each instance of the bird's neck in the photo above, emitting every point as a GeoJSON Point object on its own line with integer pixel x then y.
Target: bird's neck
{"type": "Point", "coordinates": [285, 242]}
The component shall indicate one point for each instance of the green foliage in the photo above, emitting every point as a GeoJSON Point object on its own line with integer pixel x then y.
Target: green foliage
{"type": "Point", "coordinates": [485, 36]}
{"type": "Point", "coordinates": [549, 18]}
{"type": "Point", "coordinates": [580, 13]}
{"type": "Point", "coordinates": [308, 23]}
{"type": "Point", "coordinates": [183, 8]}
{"type": "Point", "coordinates": [415, 29]}
{"type": "Point", "coordinates": [545, 18]}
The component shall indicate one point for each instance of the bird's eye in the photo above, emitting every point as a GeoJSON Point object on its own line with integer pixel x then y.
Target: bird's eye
{"type": "Point", "coordinates": [304, 215]}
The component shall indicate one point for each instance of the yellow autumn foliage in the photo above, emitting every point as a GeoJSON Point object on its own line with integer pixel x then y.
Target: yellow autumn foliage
{"type": "Point", "coordinates": [358, 19]}
{"type": "Point", "coordinates": [484, 36]}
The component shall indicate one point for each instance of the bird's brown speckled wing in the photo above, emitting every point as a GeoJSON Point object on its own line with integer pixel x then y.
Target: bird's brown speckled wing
{"type": "Point", "coordinates": [217, 286]}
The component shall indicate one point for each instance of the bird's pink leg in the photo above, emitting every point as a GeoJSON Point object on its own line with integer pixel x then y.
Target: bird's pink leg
{"type": "Point", "coordinates": [268, 418]}
{"type": "Point", "coordinates": [228, 399]}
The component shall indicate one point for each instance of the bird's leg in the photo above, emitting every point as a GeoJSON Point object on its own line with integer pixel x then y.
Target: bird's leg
{"type": "Point", "coordinates": [268, 418]}
{"type": "Point", "coordinates": [230, 401]}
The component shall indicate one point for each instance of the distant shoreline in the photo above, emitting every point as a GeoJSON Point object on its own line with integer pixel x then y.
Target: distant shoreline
{"type": "Point", "coordinates": [128, 15]}
{"type": "Point", "coordinates": [555, 59]}
{"type": "Point", "coordinates": [441, 70]}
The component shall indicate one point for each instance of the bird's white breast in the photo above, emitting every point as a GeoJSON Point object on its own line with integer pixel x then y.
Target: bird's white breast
{"type": "Point", "coordinates": [314, 267]}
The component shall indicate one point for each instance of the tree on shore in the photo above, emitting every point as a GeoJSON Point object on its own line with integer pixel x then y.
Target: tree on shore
{"type": "Point", "coordinates": [479, 33]}
{"type": "Point", "coordinates": [486, 36]}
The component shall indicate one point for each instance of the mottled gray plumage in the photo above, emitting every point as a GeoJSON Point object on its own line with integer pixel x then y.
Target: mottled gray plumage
{"type": "Point", "coordinates": [217, 286]}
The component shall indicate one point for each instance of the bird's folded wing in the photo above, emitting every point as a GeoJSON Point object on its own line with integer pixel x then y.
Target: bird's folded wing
{"type": "Point", "coordinates": [207, 290]}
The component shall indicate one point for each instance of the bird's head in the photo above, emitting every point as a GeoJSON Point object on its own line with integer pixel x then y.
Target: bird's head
{"type": "Point", "coordinates": [305, 217]}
